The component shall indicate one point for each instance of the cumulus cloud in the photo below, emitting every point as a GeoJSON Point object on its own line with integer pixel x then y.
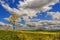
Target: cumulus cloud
{"type": "Point", "coordinates": [1, 23]}
{"type": "Point", "coordinates": [55, 15]}
{"type": "Point", "coordinates": [4, 26]}
{"type": "Point", "coordinates": [30, 7]}
{"type": "Point", "coordinates": [33, 4]}
{"type": "Point", "coordinates": [44, 25]}
{"type": "Point", "coordinates": [37, 5]}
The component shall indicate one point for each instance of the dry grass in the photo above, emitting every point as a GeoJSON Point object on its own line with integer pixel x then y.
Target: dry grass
{"type": "Point", "coordinates": [29, 35]}
{"type": "Point", "coordinates": [40, 35]}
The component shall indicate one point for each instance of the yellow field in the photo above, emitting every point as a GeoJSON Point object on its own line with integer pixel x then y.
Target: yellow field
{"type": "Point", "coordinates": [29, 35]}
{"type": "Point", "coordinates": [40, 35]}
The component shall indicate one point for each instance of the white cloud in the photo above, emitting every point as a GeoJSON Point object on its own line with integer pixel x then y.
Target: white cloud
{"type": "Point", "coordinates": [30, 7]}
{"type": "Point", "coordinates": [37, 5]}
{"type": "Point", "coordinates": [44, 25]}
{"type": "Point", "coordinates": [6, 6]}
{"type": "Point", "coordinates": [4, 26]}
{"type": "Point", "coordinates": [55, 15]}
{"type": "Point", "coordinates": [33, 4]}
{"type": "Point", "coordinates": [1, 23]}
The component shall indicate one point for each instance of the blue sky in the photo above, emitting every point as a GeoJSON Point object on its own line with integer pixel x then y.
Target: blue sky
{"type": "Point", "coordinates": [4, 13]}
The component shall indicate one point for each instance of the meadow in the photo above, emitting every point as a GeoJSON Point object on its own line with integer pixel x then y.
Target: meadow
{"type": "Point", "coordinates": [29, 35]}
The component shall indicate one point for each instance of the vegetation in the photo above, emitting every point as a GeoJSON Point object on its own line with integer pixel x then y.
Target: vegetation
{"type": "Point", "coordinates": [13, 18]}
{"type": "Point", "coordinates": [29, 35]}
{"type": "Point", "coordinates": [8, 35]}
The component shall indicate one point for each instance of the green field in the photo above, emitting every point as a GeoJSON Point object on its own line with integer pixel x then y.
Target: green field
{"type": "Point", "coordinates": [29, 35]}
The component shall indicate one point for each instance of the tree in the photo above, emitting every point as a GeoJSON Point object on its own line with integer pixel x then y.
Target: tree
{"type": "Point", "coordinates": [13, 19]}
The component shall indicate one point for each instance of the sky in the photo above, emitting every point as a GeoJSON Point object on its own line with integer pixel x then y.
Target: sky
{"type": "Point", "coordinates": [4, 13]}
{"type": "Point", "coordinates": [33, 14]}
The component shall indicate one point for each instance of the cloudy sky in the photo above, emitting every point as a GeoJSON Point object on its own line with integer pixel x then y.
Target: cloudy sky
{"type": "Point", "coordinates": [30, 10]}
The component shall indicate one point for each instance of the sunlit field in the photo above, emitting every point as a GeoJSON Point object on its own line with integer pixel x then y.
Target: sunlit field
{"type": "Point", "coordinates": [29, 35]}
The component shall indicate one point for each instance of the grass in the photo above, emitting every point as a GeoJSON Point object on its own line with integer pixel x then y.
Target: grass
{"type": "Point", "coordinates": [29, 35]}
{"type": "Point", "coordinates": [8, 35]}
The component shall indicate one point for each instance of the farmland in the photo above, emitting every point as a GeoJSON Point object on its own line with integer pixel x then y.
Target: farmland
{"type": "Point", "coordinates": [29, 35]}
